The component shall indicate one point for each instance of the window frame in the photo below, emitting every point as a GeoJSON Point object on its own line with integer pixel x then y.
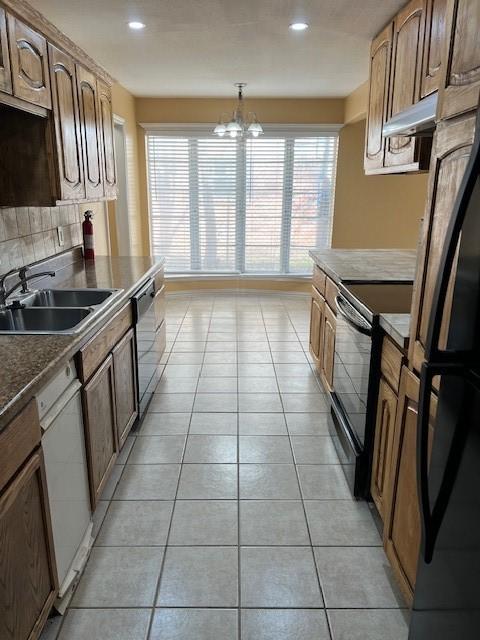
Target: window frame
{"type": "Point", "coordinates": [288, 131]}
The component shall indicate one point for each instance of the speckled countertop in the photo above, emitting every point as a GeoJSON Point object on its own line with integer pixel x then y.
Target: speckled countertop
{"type": "Point", "coordinates": [28, 361]}
{"type": "Point", "coordinates": [355, 265]}
{"type": "Point", "coordinates": [397, 325]}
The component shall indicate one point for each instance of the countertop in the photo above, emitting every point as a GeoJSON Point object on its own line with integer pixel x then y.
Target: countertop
{"type": "Point", "coordinates": [28, 361]}
{"type": "Point", "coordinates": [356, 265]}
{"type": "Point", "coordinates": [397, 326]}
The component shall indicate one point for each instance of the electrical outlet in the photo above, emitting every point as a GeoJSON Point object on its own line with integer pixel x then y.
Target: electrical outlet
{"type": "Point", "coordinates": [61, 238]}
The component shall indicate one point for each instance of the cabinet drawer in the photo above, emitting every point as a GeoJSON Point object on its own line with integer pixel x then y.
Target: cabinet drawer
{"type": "Point", "coordinates": [18, 440]}
{"type": "Point", "coordinates": [391, 365]}
{"type": "Point", "coordinates": [97, 349]}
{"type": "Point", "coordinates": [319, 279]}
{"type": "Point", "coordinates": [331, 292]}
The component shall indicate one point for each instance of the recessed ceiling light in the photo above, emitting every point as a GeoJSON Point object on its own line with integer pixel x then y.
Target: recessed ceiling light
{"type": "Point", "coordinates": [136, 25]}
{"type": "Point", "coordinates": [299, 26]}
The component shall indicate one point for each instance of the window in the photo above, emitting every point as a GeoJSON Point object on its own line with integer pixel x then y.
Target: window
{"type": "Point", "coordinates": [222, 206]}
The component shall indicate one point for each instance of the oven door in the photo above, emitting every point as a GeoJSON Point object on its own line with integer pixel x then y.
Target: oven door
{"type": "Point", "coordinates": [353, 352]}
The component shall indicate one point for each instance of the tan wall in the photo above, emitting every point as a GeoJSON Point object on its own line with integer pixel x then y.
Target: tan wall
{"type": "Point", "coordinates": [373, 212]}
{"type": "Point", "coordinates": [124, 106]}
{"type": "Point", "coordinates": [281, 110]}
{"type": "Point", "coordinates": [356, 104]}
{"type": "Point", "coordinates": [187, 284]}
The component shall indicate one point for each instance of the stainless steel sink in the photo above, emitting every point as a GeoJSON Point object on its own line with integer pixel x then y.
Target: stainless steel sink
{"type": "Point", "coordinates": [68, 297]}
{"type": "Point", "coordinates": [46, 320]}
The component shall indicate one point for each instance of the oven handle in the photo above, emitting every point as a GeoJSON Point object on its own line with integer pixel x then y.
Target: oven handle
{"type": "Point", "coordinates": [351, 315]}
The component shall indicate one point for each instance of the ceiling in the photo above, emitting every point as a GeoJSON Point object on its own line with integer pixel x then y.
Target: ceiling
{"type": "Point", "coordinates": [201, 47]}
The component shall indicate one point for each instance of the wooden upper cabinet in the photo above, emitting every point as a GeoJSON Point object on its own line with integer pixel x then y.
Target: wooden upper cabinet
{"type": "Point", "coordinates": [459, 91]}
{"type": "Point", "coordinates": [452, 147]}
{"type": "Point", "coordinates": [91, 132]}
{"type": "Point", "coordinates": [5, 73]}
{"type": "Point", "coordinates": [380, 58]}
{"type": "Point", "coordinates": [29, 63]}
{"type": "Point", "coordinates": [66, 115]}
{"type": "Point", "coordinates": [408, 32]}
{"type": "Point", "coordinates": [402, 531]}
{"type": "Point", "coordinates": [100, 428]}
{"type": "Point", "coordinates": [107, 146]}
{"type": "Point", "coordinates": [27, 564]}
{"type": "Point", "coordinates": [124, 367]}
{"type": "Point", "coordinates": [434, 46]}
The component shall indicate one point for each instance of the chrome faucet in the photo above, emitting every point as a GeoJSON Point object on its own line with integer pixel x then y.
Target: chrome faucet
{"type": "Point", "coordinates": [23, 283]}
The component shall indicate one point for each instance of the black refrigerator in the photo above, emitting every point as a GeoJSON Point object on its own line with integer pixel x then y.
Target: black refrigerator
{"type": "Point", "coordinates": [447, 595]}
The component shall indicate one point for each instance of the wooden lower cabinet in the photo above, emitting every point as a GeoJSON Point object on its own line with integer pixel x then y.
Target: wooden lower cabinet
{"type": "Point", "coordinates": [391, 365]}
{"type": "Point", "coordinates": [328, 354]}
{"type": "Point", "coordinates": [382, 451]}
{"type": "Point", "coordinates": [124, 368]}
{"type": "Point", "coordinates": [402, 531]}
{"type": "Point", "coordinates": [317, 311]}
{"type": "Point", "coordinates": [27, 563]}
{"type": "Point", "coordinates": [322, 333]}
{"type": "Point", "coordinates": [100, 427]}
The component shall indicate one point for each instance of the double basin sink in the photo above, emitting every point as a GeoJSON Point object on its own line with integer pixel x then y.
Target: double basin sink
{"type": "Point", "coordinates": [64, 311]}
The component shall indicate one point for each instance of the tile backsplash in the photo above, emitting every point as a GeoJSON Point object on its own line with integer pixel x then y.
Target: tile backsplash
{"type": "Point", "coordinates": [29, 234]}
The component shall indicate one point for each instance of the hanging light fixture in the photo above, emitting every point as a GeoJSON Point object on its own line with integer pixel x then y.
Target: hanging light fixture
{"type": "Point", "coordinates": [240, 125]}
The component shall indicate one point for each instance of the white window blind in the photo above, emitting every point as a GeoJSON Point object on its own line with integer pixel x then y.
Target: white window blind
{"type": "Point", "coordinates": [228, 206]}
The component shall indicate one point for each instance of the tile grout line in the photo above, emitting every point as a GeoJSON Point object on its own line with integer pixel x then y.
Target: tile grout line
{"type": "Point", "coordinates": [317, 573]}
{"type": "Point", "coordinates": [239, 570]}
{"type": "Point", "coordinates": [162, 564]}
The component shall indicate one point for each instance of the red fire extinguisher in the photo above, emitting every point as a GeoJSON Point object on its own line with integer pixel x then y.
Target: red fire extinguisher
{"type": "Point", "coordinates": [87, 228]}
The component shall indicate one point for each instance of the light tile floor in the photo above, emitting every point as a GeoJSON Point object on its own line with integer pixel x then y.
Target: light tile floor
{"type": "Point", "coordinates": [228, 516]}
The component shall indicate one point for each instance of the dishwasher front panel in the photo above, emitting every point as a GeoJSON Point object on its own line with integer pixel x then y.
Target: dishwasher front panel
{"type": "Point", "coordinates": [63, 446]}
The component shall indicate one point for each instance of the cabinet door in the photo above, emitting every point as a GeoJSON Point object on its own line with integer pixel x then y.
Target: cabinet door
{"type": "Point", "coordinates": [433, 46]}
{"type": "Point", "coordinates": [5, 74]}
{"type": "Point", "coordinates": [452, 146]}
{"type": "Point", "coordinates": [107, 140]}
{"type": "Point", "coordinates": [27, 564]}
{"type": "Point", "coordinates": [91, 132]}
{"type": "Point", "coordinates": [328, 355]}
{"type": "Point", "coordinates": [124, 366]}
{"type": "Point", "coordinates": [29, 62]}
{"type": "Point", "coordinates": [380, 58]}
{"type": "Point", "coordinates": [460, 86]}
{"type": "Point", "coordinates": [382, 451]}
{"type": "Point", "coordinates": [100, 428]}
{"type": "Point", "coordinates": [316, 325]}
{"type": "Point", "coordinates": [408, 30]}
{"type": "Point", "coordinates": [402, 531]}
{"type": "Point", "coordinates": [66, 115]}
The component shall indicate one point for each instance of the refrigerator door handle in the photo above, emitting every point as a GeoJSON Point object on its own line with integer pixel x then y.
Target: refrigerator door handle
{"type": "Point", "coordinates": [432, 518]}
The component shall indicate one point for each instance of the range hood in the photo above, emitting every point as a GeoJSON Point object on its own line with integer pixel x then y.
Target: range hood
{"type": "Point", "coordinates": [417, 120]}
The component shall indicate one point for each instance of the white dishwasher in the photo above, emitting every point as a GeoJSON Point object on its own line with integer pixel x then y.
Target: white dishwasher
{"type": "Point", "coordinates": [63, 444]}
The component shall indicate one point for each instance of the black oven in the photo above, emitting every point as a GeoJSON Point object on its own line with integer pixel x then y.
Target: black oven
{"type": "Point", "coordinates": [356, 373]}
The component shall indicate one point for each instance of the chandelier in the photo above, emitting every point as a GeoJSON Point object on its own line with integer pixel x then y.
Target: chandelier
{"type": "Point", "coordinates": [240, 125]}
